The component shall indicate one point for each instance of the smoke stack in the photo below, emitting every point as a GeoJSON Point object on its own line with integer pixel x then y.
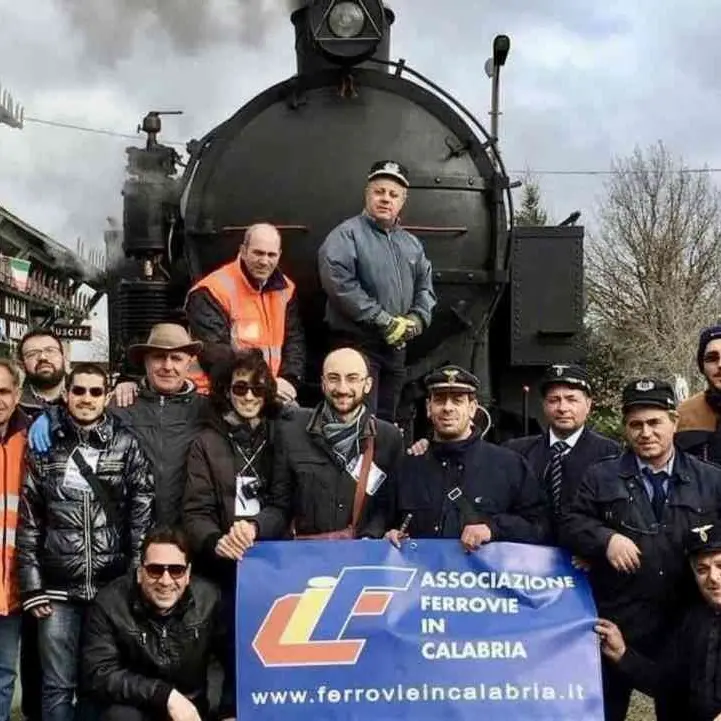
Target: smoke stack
{"type": "Point", "coordinates": [318, 49]}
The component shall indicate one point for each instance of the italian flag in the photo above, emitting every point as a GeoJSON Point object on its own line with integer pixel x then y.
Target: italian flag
{"type": "Point", "coordinates": [19, 270]}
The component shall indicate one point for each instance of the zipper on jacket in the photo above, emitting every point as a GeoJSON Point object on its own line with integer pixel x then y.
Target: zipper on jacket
{"type": "Point", "coordinates": [88, 542]}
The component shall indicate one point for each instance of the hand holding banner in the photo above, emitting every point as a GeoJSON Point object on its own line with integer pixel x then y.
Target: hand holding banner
{"type": "Point", "coordinates": [351, 629]}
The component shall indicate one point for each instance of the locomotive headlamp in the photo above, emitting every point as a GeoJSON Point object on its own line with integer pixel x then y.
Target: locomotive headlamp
{"type": "Point", "coordinates": [346, 20]}
{"type": "Point", "coordinates": [347, 32]}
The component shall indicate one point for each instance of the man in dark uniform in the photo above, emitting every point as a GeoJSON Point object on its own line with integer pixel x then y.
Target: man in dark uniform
{"type": "Point", "coordinates": [334, 464]}
{"type": "Point", "coordinates": [630, 519]}
{"type": "Point", "coordinates": [691, 662]}
{"type": "Point", "coordinates": [462, 486]}
{"type": "Point", "coordinates": [560, 456]}
{"type": "Point", "coordinates": [698, 416]}
{"type": "Point", "coordinates": [379, 285]}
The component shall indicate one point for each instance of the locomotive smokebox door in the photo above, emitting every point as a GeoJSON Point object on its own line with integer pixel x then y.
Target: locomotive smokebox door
{"type": "Point", "coordinates": [546, 295]}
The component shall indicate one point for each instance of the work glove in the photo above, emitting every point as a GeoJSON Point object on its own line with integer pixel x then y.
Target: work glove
{"type": "Point", "coordinates": [395, 332]}
{"type": "Point", "coordinates": [41, 431]}
{"type": "Point", "coordinates": [415, 328]}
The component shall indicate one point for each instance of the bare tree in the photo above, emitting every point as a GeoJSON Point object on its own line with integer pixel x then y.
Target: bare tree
{"type": "Point", "coordinates": [653, 273]}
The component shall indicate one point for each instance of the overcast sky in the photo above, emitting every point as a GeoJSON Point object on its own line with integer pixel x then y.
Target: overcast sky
{"type": "Point", "coordinates": [585, 81]}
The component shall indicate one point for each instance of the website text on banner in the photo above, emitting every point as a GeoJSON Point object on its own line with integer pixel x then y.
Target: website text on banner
{"type": "Point", "coordinates": [361, 630]}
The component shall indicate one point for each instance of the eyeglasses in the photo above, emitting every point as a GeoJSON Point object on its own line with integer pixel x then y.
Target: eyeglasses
{"type": "Point", "coordinates": [82, 391]}
{"type": "Point", "coordinates": [49, 351]}
{"type": "Point", "coordinates": [353, 379]}
{"type": "Point", "coordinates": [157, 570]}
{"type": "Point", "coordinates": [712, 356]}
{"type": "Point", "coordinates": [241, 388]}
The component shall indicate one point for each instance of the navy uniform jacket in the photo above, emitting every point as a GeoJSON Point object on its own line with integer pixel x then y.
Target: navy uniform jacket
{"type": "Point", "coordinates": [590, 448]}
{"type": "Point", "coordinates": [499, 489]}
{"type": "Point", "coordinates": [612, 499]}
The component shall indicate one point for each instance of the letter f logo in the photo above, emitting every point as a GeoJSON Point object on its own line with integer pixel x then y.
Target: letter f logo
{"type": "Point", "coordinates": [307, 629]}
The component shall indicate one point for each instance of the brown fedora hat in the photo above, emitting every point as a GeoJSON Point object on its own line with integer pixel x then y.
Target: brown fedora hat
{"type": "Point", "coordinates": [165, 337]}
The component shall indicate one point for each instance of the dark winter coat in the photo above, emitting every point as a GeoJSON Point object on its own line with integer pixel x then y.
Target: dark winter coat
{"type": "Point", "coordinates": [68, 548]}
{"type": "Point", "coordinates": [311, 491]}
{"type": "Point", "coordinates": [133, 657]}
{"type": "Point", "coordinates": [498, 489]}
{"type": "Point", "coordinates": [612, 499]}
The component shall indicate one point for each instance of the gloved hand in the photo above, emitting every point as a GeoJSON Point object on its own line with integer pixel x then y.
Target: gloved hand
{"type": "Point", "coordinates": [39, 434]}
{"type": "Point", "coordinates": [395, 332]}
{"type": "Point", "coordinates": [415, 328]}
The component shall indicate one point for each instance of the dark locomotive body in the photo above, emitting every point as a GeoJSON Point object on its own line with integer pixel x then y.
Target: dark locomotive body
{"type": "Point", "coordinates": [509, 300]}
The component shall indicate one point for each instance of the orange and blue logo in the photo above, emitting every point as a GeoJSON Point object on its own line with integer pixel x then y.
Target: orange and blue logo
{"type": "Point", "coordinates": [308, 629]}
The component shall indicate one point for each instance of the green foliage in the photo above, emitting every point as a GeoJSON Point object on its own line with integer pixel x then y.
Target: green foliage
{"type": "Point", "coordinates": [531, 211]}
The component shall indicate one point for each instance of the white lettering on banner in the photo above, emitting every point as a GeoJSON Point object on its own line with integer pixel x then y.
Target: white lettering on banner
{"type": "Point", "coordinates": [480, 650]}
{"type": "Point", "coordinates": [466, 604]}
{"type": "Point", "coordinates": [492, 580]}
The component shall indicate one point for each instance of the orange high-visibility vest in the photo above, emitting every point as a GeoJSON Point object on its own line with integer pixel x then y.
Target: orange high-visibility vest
{"type": "Point", "coordinates": [12, 473]}
{"type": "Point", "coordinates": [257, 318]}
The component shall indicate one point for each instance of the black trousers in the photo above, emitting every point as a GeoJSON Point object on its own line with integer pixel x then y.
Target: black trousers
{"type": "Point", "coordinates": [129, 713]}
{"type": "Point", "coordinates": [31, 675]}
{"type": "Point", "coordinates": [387, 368]}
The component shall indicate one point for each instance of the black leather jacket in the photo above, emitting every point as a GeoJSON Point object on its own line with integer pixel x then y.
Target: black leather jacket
{"type": "Point", "coordinates": [67, 545]}
{"type": "Point", "coordinates": [132, 656]}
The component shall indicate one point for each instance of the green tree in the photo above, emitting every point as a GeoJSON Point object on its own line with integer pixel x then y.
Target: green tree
{"type": "Point", "coordinates": [531, 211]}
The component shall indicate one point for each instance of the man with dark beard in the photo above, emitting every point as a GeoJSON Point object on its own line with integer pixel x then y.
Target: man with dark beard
{"type": "Point", "coordinates": [42, 357]}
{"type": "Point", "coordinates": [463, 487]}
{"type": "Point", "coordinates": [698, 417]}
{"type": "Point", "coordinates": [334, 464]}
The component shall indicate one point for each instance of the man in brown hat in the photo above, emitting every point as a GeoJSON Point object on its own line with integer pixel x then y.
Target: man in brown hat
{"type": "Point", "coordinates": [165, 415]}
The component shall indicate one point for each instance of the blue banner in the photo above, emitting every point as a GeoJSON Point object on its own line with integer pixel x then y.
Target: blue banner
{"type": "Point", "coordinates": [342, 630]}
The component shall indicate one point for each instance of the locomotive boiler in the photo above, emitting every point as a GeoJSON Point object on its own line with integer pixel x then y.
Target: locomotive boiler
{"type": "Point", "coordinates": [296, 155]}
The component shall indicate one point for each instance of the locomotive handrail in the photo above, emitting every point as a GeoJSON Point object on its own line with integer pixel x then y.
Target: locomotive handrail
{"type": "Point", "coordinates": [444, 229]}
{"type": "Point", "coordinates": [402, 67]}
{"type": "Point", "coordinates": [237, 228]}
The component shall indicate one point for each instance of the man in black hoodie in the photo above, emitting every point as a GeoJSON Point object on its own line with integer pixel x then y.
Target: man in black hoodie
{"type": "Point", "coordinates": [462, 486]}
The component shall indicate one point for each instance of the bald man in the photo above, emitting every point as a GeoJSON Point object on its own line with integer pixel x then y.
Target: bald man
{"type": "Point", "coordinates": [249, 302]}
{"type": "Point", "coordinates": [334, 464]}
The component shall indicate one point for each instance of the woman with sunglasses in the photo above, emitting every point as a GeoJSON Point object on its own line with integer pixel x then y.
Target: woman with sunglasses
{"type": "Point", "coordinates": [229, 467]}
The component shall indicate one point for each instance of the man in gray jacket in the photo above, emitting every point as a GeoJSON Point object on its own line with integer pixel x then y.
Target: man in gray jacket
{"type": "Point", "coordinates": [378, 282]}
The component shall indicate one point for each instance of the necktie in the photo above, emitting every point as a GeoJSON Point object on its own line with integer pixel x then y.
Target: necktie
{"type": "Point", "coordinates": [659, 494]}
{"type": "Point", "coordinates": [555, 473]}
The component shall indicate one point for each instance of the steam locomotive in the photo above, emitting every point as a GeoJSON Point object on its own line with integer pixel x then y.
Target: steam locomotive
{"type": "Point", "coordinates": [296, 155]}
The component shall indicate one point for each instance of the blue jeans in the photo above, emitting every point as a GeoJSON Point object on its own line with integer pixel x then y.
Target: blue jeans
{"type": "Point", "coordinates": [9, 645]}
{"type": "Point", "coordinates": [59, 640]}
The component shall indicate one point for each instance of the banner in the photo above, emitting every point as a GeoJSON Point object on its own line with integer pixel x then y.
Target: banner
{"type": "Point", "coordinates": [361, 630]}
{"type": "Point", "coordinates": [19, 271]}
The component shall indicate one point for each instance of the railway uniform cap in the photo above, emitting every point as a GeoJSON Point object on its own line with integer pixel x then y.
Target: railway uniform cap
{"type": "Point", "coordinates": [573, 376]}
{"type": "Point", "coordinates": [707, 335]}
{"type": "Point", "coordinates": [389, 169]}
{"type": "Point", "coordinates": [165, 337]}
{"type": "Point", "coordinates": [648, 392]}
{"type": "Point", "coordinates": [703, 539]}
{"type": "Point", "coordinates": [452, 378]}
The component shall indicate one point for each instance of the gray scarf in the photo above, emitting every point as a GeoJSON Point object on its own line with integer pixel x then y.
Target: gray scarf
{"type": "Point", "coordinates": [343, 437]}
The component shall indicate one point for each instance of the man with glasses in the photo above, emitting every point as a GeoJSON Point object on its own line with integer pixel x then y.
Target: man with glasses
{"type": "Point", "coordinates": [334, 464]}
{"type": "Point", "coordinates": [629, 520]}
{"type": "Point", "coordinates": [85, 508]}
{"type": "Point", "coordinates": [43, 361]}
{"type": "Point", "coordinates": [165, 416]}
{"type": "Point", "coordinates": [149, 637]}
{"type": "Point", "coordinates": [698, 417]}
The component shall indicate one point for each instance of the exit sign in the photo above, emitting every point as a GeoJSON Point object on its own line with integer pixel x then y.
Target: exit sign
{"type": "Point", "coordinates": [67, 331]}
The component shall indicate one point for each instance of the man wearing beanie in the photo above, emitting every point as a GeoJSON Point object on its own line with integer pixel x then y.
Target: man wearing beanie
{"type": "Point", "coordinates": [629, 520]}
{"type": "Point", "coordinates": [698, 422]}
{"type": "Point", "coordinates": [560, 456]}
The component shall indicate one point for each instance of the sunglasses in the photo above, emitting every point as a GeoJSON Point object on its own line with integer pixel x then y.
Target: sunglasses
{"type": "Point", "coordinates": [82, 391]}
{"type": "Point", "coordinates": [712, 357]}
{"type": "Point", "coordinates": [157, 570]}
{"type": "Point", "coordinates": [241, 388]}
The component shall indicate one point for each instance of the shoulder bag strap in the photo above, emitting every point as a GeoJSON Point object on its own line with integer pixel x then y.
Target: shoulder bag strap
{"type": "Point", "coordinates": [101, 493]}
{"type": "Point", "coordinates": [362, 484]}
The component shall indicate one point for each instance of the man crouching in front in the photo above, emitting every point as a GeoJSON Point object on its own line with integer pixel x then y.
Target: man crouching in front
{"type": "Point", "coordinates": [149, 638]}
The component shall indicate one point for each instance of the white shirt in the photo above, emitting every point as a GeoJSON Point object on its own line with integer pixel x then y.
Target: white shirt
{"type": "Point", "coordinates": [570, 441]}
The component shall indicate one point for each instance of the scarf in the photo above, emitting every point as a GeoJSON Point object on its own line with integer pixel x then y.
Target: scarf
{"type": "Point", "coordinates": [343, 436]}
